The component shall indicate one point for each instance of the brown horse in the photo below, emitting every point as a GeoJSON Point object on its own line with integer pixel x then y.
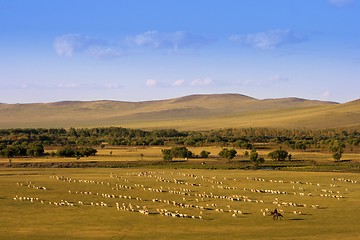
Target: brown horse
{"type": "Point", "coordinates": [276, 215]}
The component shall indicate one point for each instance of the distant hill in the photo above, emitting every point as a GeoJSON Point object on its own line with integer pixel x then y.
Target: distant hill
{"type": "Point", "coordinates": [190, 112]}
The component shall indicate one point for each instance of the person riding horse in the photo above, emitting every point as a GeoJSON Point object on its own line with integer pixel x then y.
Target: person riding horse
{"type": "Point", "coordinates": [276, 215]}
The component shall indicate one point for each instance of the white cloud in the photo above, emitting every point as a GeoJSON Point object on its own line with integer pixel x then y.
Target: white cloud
{"type": "Point", "coordinates": [279, 78]}
{"type": "Point", "coordinates": [10, 85]}
{"type": "Point", "coordinates": [111, 86]}
{"type": "Point", "coordinates": [251, 83]}
{"type": "Point", "coordinates": [106, 52]}
{"type": "Point", "coordinates": [326, 95]}
{"type": "Point", "coordinates": [269, 40]}
{"type": "Point", "coordinates": [68, 44]}
{"type": "Point", "coordinates": [65, 45]}
{"type": "Point", "coordinates": [201, 82]}
{"type": "Point", "coordinates": [341, 3]}
{"type": "Point", "coordinates": [178, 83]}
{"type": "Point", "coordinates": [151, 83]}
{"type": "Point", "coordinates": [68, 85]}
{"type": "Point", "coordinates": [173, 40]}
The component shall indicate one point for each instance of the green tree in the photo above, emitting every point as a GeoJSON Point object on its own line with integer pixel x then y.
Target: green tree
{"type": "Point", "coordinates": [8, 152]}
{"type": "Point", "coordinates": [228, 154]}
{"type": "Point", "coordinates": [66, 152]}
{"type": "Point", "coordinates": [243, 144]}
{"type": "Point", "coordinates": [86, 151]}
{"type": "Point", "coordinates": [301, 145]}
{"type": "Point", "coordinates": [35, 150]}
{"type": "Point", "coordinates": [337, 148]}
{"type": "Point", "coordinates": [176, 152]}
{"type": "Point", "coordinates": [167, 156]}
{"type": "Point", "coordinates": [254, 157]}
{"type": "Point", "coordinates": [204, 154]}
{"type": "Point", "coordinates": [279, 155]}
{"type": "Point", "coordinates": [181, 152]}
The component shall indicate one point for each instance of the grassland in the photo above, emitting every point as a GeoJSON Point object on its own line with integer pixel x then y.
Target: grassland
{"type": "Point", "coordinates": [85, 198]}
{"type": "Point", "coordinates": [327, 204]}
{"type": "Point", "coordinates": [197, 112]}
{"type": "Point", "coordinates": [77, 193]}
{"type": "Point", "coordinates": [151, 157]}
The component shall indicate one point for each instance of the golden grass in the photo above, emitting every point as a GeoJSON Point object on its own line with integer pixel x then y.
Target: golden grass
{"type": "Point", "coordinates": [333, 219]}
{"type": "Point", "coordinates": [199, 112]}
{"type": "Point", "coordinates": [153, 153]}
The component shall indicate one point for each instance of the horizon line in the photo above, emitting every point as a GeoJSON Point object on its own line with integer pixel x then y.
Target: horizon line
{"type": "Point", "coordinates": [171, 98]}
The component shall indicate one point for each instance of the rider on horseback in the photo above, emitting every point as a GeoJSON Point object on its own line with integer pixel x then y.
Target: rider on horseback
{"type": "Point", "coordinates": [276, 214]}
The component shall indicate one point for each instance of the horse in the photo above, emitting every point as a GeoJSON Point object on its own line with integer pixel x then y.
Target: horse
{"type": "Point", "coordinates": [276, 215]}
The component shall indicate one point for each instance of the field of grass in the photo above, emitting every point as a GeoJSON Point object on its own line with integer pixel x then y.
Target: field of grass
{"type": "Point", "coordinates": [130, 193]}
{"type": "Point", "coordinates": [151, 157]}
{"type": "Point", "coordinates": [219, 204]}
{"type": "Point", "coordinates": [153, 153]}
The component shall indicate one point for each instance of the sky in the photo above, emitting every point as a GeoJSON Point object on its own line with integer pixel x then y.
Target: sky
{"type": "Point", "coordinates": [139, 50]}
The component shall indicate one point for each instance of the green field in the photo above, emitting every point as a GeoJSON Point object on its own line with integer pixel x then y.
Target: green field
{"type": "Point", "coordinates": [314, 205]}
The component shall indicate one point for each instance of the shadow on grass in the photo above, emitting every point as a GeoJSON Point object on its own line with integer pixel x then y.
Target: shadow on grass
{"type": "Point", "coordinates": [345, 160]}
{"type": "Point", "coordinates": [296, 219]}
{"type": "Point", "coordinates": [246, 213]}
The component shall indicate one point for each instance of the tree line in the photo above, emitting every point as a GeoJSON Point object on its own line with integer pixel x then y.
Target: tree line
{"type": "Point", "coordinates": [183, 152]}
{"type": "Point", "coordinates": [37, 150]}
{"type": "Point", "coordinates": [296, 139]}
{"type": "Point", "coordinates": [31, 141]}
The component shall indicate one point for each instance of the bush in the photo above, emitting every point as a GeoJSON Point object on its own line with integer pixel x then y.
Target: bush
{"type": "Point", "coordinates": [35, 150]}
{"type": "Point", "coordinates": [167, 156]}
{"type": "Point", "coordinates": [176, 152]}
{"type": "Point", "coordinates": [76, 152]}
{"type": "Point", "coordinates": [254, 157]}
{"type": "Point", "coordinates": [66, 152]}
{"type": "Point", "coordinates": [204, 154]}
{"type": "Point", "coordinates": [244, 144]}
{"type": "Point", "coordinates": [86, 151]}
{"type": "Point", "coordinates": [228, 154]}
{"type": "Point", "coordinates": [337, 148]}
{"type": "Point", "coordinates": [181, 152]}
{"type": "Point", "coordinates": [279, 155]}
{"type": "Point", "coordinates": [23, 149]}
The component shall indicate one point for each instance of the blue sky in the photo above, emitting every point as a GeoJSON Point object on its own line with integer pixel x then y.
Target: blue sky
{"type": "Point", "coordinates": [135, 50]}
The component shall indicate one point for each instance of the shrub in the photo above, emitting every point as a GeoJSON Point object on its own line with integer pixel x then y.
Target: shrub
{"type": "Point", "coordinates": [254, 157]}
{"type": "Point", "coordinates": [176, 152]}
{"type": "Point", "coordinates": [204, 154]}
{"type": "Point", "coordinates": [228, 154]}
{"type": "Point", "coordinates": [167, 156]}
{"type": "Point", "coordinates": [279, 155]}
{"type": "Point", "coordinates": [76, 152]}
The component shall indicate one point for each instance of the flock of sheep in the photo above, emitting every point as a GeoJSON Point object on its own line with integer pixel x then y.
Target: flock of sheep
{"type": "Point", "coordinates": [186, 195]}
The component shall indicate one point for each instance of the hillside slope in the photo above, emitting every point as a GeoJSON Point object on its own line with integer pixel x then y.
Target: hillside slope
{"type": "Point", "coordinates": [190, 112]}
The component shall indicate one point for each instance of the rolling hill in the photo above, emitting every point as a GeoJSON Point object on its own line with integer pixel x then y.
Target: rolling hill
{"type": "Point", "coordinates": [193, 112]}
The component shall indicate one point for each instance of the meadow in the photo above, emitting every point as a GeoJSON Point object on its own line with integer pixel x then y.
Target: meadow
{"type": "Point", "coordinates": [153, 153]}
{"type": "Point", "coordinates": [142, 203]}
{"type": "Point", "coordinates": [151, 157]}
